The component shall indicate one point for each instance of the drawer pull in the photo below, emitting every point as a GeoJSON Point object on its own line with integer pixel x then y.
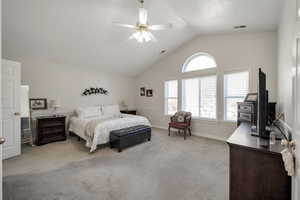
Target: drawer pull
{"type": "Point", "coordinates": [246, 108]}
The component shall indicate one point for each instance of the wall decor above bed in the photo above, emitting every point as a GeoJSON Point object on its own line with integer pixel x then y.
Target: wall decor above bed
{"type": "Point", "coordinates": [92, 90]}
{"type": "Point", "coordinates": [149, 93]}
{"type": "Point", "coordinates": [142, 91]}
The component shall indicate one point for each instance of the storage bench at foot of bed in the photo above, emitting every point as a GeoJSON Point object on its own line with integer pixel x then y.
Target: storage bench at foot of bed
{"type": "Point", "coordinates": [127, 137]}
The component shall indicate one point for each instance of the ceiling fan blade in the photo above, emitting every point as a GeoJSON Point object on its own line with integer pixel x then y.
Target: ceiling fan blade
{"type": "Point", "coordinates": [133, 36]}
{"type": "Point", "coordinates": [160, 27]}
{"type": "Point", "coordinates": [136, 36]}
{"type": "Point", "coordinates": [153, 38]}
{"type": "Point", "coordinates": [143, 36]}
{"type": "Point", "coordinates": [143, 15]}
{"type": "Point", "coordinates": [125, 25]}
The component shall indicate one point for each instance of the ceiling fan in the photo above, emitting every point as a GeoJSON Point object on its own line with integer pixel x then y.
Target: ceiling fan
{"type": "Point", "coordinates": [142, 33]}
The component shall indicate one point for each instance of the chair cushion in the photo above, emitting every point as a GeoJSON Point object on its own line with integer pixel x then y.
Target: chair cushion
{"type": "Point", "coordinates": [178, 125]}
{"type": "Point", "coordinates": [181, 117]}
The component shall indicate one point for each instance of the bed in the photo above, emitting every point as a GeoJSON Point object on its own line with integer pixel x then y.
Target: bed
{"type": "Point", "coordinates": [94, 124]}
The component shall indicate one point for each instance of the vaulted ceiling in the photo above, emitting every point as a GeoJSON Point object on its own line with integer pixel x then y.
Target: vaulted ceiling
{"type": "Point", "coordinates": [81, 33]}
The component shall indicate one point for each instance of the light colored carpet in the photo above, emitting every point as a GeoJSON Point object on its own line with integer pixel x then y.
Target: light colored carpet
{"type": "Point", "coordinates": [167, 168]}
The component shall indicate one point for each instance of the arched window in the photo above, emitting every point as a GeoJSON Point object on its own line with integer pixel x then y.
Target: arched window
{"type": "Point", "coordinates": [199, 61]}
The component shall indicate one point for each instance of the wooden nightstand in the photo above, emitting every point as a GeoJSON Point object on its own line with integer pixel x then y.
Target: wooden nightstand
{"type": "Point", "coordinates": [131, 112]}
{"type": "Point", "coordinates": [51, 129]}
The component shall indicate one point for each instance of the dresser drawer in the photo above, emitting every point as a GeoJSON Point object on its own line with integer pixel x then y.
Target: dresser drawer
{"type": "Point", "coordinates": [245, 117]}
{"type": "Point", "coordinates": [246, 108]}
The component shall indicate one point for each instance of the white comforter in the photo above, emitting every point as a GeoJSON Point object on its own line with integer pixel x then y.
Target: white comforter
{"type": "Point", "coordinates": [102, 127]}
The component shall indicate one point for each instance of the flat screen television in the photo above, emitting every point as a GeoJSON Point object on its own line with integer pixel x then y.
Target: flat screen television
{"type": "Point", "coordinates": [262, 106]}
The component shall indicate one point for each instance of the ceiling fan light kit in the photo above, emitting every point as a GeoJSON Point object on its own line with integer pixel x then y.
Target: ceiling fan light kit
{"type": "Point", "coordinates": [142, 33]}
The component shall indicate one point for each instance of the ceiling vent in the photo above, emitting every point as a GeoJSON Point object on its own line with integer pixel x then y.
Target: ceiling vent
{"type": "Point", "coordinates": [163, 51]}
{"type": "Point", "coordinates": [240, 27]}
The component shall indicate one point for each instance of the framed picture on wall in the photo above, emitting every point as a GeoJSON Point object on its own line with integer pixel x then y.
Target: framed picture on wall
{"type": "Point", "coordinates": [142, 91]}
{"type": "Point", "coordinates": [149, 93]}
{"type": "Point", "coordinates": [38, 104]}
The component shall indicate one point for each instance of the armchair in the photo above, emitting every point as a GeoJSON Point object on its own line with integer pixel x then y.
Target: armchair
{"type": "Point", "coordinates": [181, 121]}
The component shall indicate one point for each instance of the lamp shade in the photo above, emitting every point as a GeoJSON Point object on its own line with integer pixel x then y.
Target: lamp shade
{"type": "Point", "coordinates": [55, 104]}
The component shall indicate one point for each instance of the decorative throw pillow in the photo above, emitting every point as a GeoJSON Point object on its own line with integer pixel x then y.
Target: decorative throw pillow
{"type": "Point", "coordinates": [180, 118]}
{"type": "Point", "coordinates": [111, 111]}
{"type": "Point", "coordinates": [88, 112]}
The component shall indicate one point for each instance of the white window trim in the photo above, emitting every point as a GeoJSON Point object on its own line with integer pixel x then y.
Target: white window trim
{"type": "Point", "coordinates": [167, 98]}
{"type": "Point", "coordinates": [224, 89]}
{"type": "Point", "coordinates": [189, 59]}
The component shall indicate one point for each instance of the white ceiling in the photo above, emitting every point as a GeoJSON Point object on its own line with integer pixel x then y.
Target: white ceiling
{"type": "Point", "coordinates": [81, 33]}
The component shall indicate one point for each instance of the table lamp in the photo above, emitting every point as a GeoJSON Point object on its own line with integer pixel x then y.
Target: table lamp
{"type": "Point", "coordinates": [55, 105]}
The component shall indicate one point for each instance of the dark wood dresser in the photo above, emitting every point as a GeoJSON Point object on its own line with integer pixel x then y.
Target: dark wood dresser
{"type": "Point", "coordinates": [131, 112]}
{"type": "Point", "coordinates": [256, 172]}
{"type": "Point", "coordinates": [247, 112]}
{"type": "Point", "coordinates": [50, 129]}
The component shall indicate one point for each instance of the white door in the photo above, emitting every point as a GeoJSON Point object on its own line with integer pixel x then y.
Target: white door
{"type": "Point", "coordinates": [296, 126]}
{"type": "Point", "coordinates": [11, 129]}
{"type": "Point", "coordinates": [0, 106]}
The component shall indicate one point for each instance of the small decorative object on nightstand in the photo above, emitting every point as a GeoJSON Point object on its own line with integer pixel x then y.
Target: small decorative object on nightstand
{"type": "Point", "coordinates": [55, 104]}
{"type": "Point", "coordinates": [131, 112]}
{"type": "Point", "coordinates": [51, 129]}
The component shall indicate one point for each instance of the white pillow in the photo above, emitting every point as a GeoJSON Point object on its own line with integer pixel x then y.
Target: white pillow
{"type": "Point", "coordinates": [111, 111]}
{"type": "Point", "coordinates": [88, 112]}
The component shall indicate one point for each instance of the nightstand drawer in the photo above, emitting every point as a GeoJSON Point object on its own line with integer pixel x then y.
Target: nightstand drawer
{"type": "Point", "coordinates": [52, 124]}
{"type": "Point", "coordinates": [52, 130]}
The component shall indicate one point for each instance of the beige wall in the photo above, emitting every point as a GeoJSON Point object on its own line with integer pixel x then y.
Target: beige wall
{"type": "Point", "coordinates": [66, 83]}
{"type": "Point", "coordinates": [233, 52]}
{"type": "Point", "coordinates": [288, 29]}
{"type": "Point", "coordinates": [286, 59]}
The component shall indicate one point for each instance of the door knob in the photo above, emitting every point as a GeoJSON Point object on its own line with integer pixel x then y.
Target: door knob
{"type": "Point", "coordinates": [2, 140]}
{"type": "Point", "coordinates": [16, 113]}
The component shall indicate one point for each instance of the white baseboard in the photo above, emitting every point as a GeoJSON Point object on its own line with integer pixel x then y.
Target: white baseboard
{"type": "Point", "coordinates": [213, 137]}
{"type": "Point", "coordinates": [160, 127]}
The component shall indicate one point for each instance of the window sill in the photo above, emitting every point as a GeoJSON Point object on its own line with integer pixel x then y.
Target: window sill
{"type": "Point", "coordinates": [204, 119]}
{"type": "Point", "coordinates": [229, 121]}
{"type": "Point", "coordinates": [207, 119]}
{"type": "Point", "coordinates": [213, 120]}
